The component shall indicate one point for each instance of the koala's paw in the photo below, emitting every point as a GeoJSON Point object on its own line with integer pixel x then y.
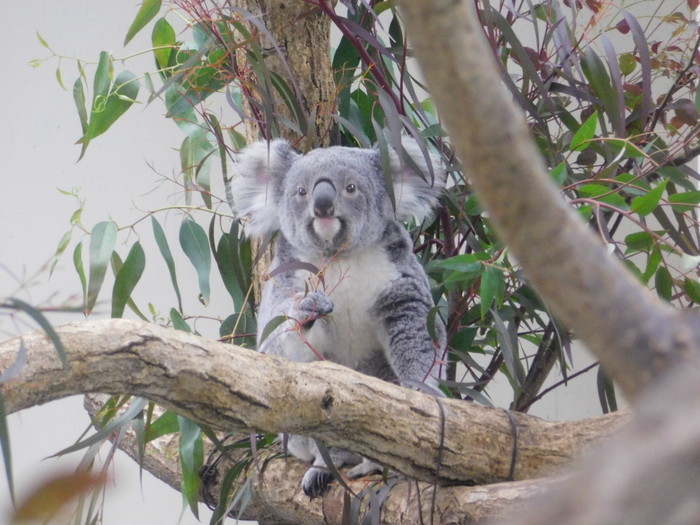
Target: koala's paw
{"type": "Point", "coordinates": [366, 467]}
{"type": "Point", "coordinates": [316, 481]}
{"type": "Point", "coordinates": [312, 306]}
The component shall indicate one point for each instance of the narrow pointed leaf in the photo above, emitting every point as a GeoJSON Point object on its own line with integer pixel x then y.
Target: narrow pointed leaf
{"type": "Point", "coordinates": [102, 240]}
{"type": "Point", "coordinates": [137, 405]}
{"type": "Point", "coordinates": [646, 204]}
{"type": "Point", "coordinates": [79, 98]}
{"type": "Point", "coordinates": [6, 450]}
{"type": "Point", "coordinates": [45, 325]}
{"type": "Point", "coordinates": [191, 459]}
{"type": "Point", "coordinates": [127, 278]}
{"type": "Point", "coordinates": [163, 40]}
{"type": "Point", "coordinates": [162, 243]}
{"type": "Point", "coordinates": [149, 9]}
{"type": "Point", "coordinates": [582, 137]}
{"type": "Point", "coordinates": [664, 283]}
{"type": "Point", "coordinates": [194, 243]}
{"type": "Point", "coordinates": [80, 269]}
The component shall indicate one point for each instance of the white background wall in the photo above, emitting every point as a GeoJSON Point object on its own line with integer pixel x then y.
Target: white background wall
{"type": "Point", "coordinates": [38, 130]}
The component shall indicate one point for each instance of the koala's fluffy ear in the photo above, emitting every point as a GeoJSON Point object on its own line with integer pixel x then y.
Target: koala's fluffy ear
{"type": "Point", "coordinates": [257, 185]}
{"type": "Point", "coordinates": [416, 193]}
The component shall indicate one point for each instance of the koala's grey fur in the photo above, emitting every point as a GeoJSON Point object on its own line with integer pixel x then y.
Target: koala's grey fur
{"type": "Point", "coordinates": [369, 308]}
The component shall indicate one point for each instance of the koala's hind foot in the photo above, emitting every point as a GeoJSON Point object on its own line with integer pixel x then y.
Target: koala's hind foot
{"type": "Point", "coordinates": [318, 476]}
{"type": "Point", "coordinates": [313, 306]}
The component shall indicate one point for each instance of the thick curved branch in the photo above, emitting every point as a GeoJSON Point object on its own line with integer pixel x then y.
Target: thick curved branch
{"type": "Point", "coordinates": [635, 336]}
{"type": "Point", "coordinates": [276, 498]}
{"type": "Point", "coordinates": [231, 388]}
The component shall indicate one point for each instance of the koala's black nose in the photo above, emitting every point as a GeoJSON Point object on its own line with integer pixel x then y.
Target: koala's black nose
{"type": "Point", "coordinates": [323, 195]}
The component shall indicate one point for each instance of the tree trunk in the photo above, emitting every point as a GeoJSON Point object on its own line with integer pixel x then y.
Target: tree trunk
{"type": "Point", "coordinates": [301, 34]}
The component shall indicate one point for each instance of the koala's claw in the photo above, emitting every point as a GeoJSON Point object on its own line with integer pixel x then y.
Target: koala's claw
{"type": "Point", "coordinates": [316, 481]}
{"type": "Point", "coordinates": [313, 306]}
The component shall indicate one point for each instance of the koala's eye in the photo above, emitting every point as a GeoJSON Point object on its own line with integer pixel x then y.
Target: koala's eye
{"type": "Point", "coordinates": [350, 188]}
{"type": "Point", "coordinates": [301, 192]}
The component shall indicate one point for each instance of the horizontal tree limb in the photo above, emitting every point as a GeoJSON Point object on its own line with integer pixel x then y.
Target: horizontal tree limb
{"type": "Point", "coordinates": [232, 388]}
{"type": "Point", "coordinates": [276, 497]}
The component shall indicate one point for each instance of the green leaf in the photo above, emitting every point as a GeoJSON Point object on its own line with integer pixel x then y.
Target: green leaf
{"type": "Point", "coordinates": [195, 159]}
{"type": "Point", "coordinates": [80, 269]}
{"type": "Point", "coordinates": [165, 424]}
{"type": "Point", "coordinates": [584, 134]}
{"type": "Point", "coordinates": [692, 289]}
{"type": "Point", "coordinates": [345, 61]}
{"type": "Point", "coordinates": [492, 287]}
{"type": "Point", "coordinates": [653, 263]}
{"type": "Point", "coordinates": [628, 63]}
{"type": "Point", "coordinates": [191, 460]}
{"type": "Point", "coordinates": [102, 80]}
{"type": "Point", "coordinates": [163, 40]}
{"type": "Point", "coordinates": [179, 321]}
{"type": "Point", "coordinates": [127, 278]}
{"type": "Point", "coordinates": [226, 258]}
{"type": "Point", "coordinates": [194, 243]}
{"type": "Point", "coordinates": [45, 325]}
{"type": "Point", "coordinates": [639, 242]}
{"type": "Point", "coordinates": [560, 173]}
{"type": "Point", "coordinates": [62, 245]}
{"type": "Point", "coordinates": [6, 451]}
{"type": "Point", "coordinates": [102, 240]}
{"type": "Point", "coordinates": [664, 283]}
{"type": "Point", "coordinates": [594, 70]}
{"type": "Point", "coordinates": [270, 327]}
{"type": "Point", "coordinates": [137, 405]}
{"type": "Point", "coordinates": [465, 263]}
{"type": "Point", "coordinates": [604, 194]}
{"type": "Point", "coordinates": [684, 202]}
{"type": "Point", "coordinates": [646, 204]}
{"type": "Point", "coordinates": [148, 10]}
{"type": "Point", "coordinates": [109, 108]}
{"type": "Point", "coordinates": [162, 243]}
{"type": "Point", "coordinates": [42, 41]}
{"type": "Point", "coordinates": [79, 98]}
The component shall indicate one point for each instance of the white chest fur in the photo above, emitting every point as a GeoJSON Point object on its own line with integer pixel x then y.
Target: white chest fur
{"type": "Point", "coordinates": [351, 333]}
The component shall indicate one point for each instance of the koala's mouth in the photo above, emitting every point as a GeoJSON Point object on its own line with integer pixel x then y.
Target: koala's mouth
{"type": "Point", "coordinates": [327, 229]}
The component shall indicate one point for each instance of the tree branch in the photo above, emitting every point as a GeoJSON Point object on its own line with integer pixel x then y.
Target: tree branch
{"type": "Point", "coordinates": [231, 388]}
{"type": "Point", "coordinates": [635, 335]}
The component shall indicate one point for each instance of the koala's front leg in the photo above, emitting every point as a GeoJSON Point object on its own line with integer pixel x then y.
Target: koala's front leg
{"type": "Point", "coordinates": [299, 338]}
{"type": "Point", "coordinates": [311, 307]}
{"type": "Point", "coordinates": [413, 354]}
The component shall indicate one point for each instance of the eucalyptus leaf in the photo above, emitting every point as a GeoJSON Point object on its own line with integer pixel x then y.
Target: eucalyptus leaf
{"type": "Point", "coordinates": [149, 9]}
{"type": "Point", "coordinates": [194, 243]}
{"type": "Point", "coordinates": [646, 204]}
{"type": "Point", "coordinates": [191, 460]}
{"type": "Point", "coordinates": [164, 248]}
{"type": "Point", "coordinates": [102, 240]}
{"type": "Point", "coordinates": [127, 278]}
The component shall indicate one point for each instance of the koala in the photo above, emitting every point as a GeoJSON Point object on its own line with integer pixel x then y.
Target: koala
{"type": "Point", "coordinates": [344, 274]}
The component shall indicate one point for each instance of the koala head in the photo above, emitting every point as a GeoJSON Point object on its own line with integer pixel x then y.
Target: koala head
{"type": "Point", "coordinates": [333, 199]}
